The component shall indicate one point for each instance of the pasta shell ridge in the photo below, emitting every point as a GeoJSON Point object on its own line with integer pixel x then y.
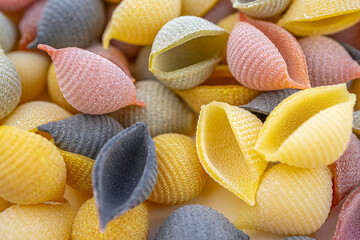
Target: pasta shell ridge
{"type": "Point", "coordinates": [262, 8]}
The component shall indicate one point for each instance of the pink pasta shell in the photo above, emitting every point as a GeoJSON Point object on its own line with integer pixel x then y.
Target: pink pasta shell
{"type": "Point", "coordinates": [350, 36]}
{"type": "Point", "coordinates": [14, 5]}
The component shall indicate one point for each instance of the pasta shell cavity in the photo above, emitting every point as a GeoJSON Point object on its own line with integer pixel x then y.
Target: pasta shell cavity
{"type": "Point", "coordinates": [288, 135]}
{"type": "Point", "coordinates": [185, 51]}
{"type": "Point", "coordinates": [262, 8]}
{"type": "Point", "coordinates": [225, 137]}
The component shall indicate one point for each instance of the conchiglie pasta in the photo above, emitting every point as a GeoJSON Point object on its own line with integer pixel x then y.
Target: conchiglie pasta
{"type": "Point", "coordinates": [8, 33]}
{"type": "Point", "coordinates": [140, 68]}
{"type": "Point", "coordinates": [14, 5]}
{"type": "Point", "coordinates": [197, 7]}
{"type": "Point", "coordinates": [355, 88]}
{"type": "Point", "coordinates": [221, 9]}
{"type": "Point", "coordinates": [4, 204]}
{"type": "Point", "coordinates": [262, 8]}
{"type": "Point", "coordinates": [229, 22]}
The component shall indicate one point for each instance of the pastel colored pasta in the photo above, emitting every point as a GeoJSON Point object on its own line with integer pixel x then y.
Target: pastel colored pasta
{"type": "Point", "coordinates": [356, 124]}
{"type": "Point", "coordinates": [14, 5]}
{"type": "Point", "coordinates": [317, 121]}
{"type": "Point", "coordinates": [132, 225]}
{"type": "Point", "coordinates": [82, 134]}
{"type": "Point", "coordinates": [124, 172]}
{"type": "Point", "coordinates": [290, 201]}
{"type": "Point", "coordinates": [70, 23]}
{"type": "Point", "coordinates": [197, 7]}
{"type": "Point", "coordinates": [298, 238]}
{"type": "Point", "coordinates": [186, 50]}
{"type": "Point", "coordinates": [264, 56]}
{"type": "Point", "coordinates": [262, 8]}
{"type": "Point", "coordinates": [4, 204]}
{"type": "Point", "coordinates": [31, 169]}
{"type": "Point", "coordinates": [42, 221]}
{"type": "Point", "coordinates": [129, 50]}
{"type": "Point", "coordinates": [354, 53]}
{"type": "Point", "coordinates": [221, 9]}
{"type": "Point", "coordinates": [141, 66]}
{"type": "Point", "coordinates": [164, 111]}
{"type": "Point", "coordinates": [308, 17]}
{"type": "Point", "coordinates": [104, 89]}
{"type": "Point", "coordinates": [8, 33]}
{"type": "Point", "coordinates": [220, 76]}
{"type": "Point", "coordinates": [138, 21]}
{"type": "Point", "coordinates": [181, 176]}
{"type": "Point", "coordinates": [225, 137]}
{"type": "Point", "coordinates": [229, 22]}
{"type": "Point", "coordinates": [349, 36]}
{"type": "Point", "coordinates": [328, 62]}
{"type": "Point", "coordinates": [29, 116]}
{"type": "Point", "coordinates": [198, 222]}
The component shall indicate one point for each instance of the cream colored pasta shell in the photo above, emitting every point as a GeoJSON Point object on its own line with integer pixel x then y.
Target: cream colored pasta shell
{"type": "Point", "coordinates": [140, 68]}
{"type": "Point", "coordinates": [262, 8]}
{"type": "Point", "coordinates": [8, 33]}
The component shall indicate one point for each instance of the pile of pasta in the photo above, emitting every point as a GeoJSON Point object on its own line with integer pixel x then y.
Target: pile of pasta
{"type": "Point", "coordinates": [179, 119]}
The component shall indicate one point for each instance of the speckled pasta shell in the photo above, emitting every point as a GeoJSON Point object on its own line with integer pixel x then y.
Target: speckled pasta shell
{"type": "Point", "coordinates": [70, 23]}
{"type": "Point", "coordinates": [308, 17]}
{"type": "Point", "coordinates": [356, 123]}
{"type": "Point", "coordinates": [41, 222]}
{"type": "Point", "coordinates": [229, 22]}
{"type": "Point", "coordinates": [262, 8]}
{"type": "Point", "coordinates": [226, 136]}
{"type": "Point", "coordinates": [186, 50]}
{"type": "Point", "coordinates": [31, 169]}
{"type": "Point", "coordinates": [8, 33]}
{"type": "Point", "coordinates": [132, 225]}
{"type": "Point", "coordinates": [221, 9]}
{"type": "Point", "coordinates": [298, 238]}
{"type": "Point", "coordinates": [317, 121]}
{"type": "Point", "coordinates": [14, 5]}
{"type": "Point", "coordinates": [4, 204]}
{"type": "Point", "coordinates": [32, 114]}
{"type": "Point", "coordinates": [138, 21]}
{"type": "Point", "coordinates": [181, 176]}
{"type": "Point", "coordinates": [10, 85]}
{"type": "Point", "coordinates": [197, 7]}
{"type": "Point", "coordinates": [198, 222]}
{"type": "Point", "coordinates": [127, 167]}
{"type": "Point", "coordinates": [264, 56]}
{"type": "Point", "coordinates": [140, 68]}
{"type": "Point", "coordinates": [350, 36]}
{"type": "Point", "coordinates": [164, 111]}
{"type": "Point", "coordinates": [290, 201]}
{"type": "Point", "coordinates": [81, 87]}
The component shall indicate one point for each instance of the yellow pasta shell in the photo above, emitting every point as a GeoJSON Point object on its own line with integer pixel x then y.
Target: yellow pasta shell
{"type": "Point", "coordinates": [181, 176]}
{"type": "Point", "coordinates": [310, 128]}
{"type": "Point", "coordinates": [225, 140]}
{"type": "Point", "coordinates": [355, 88]}
{"type": "Point", "coordinates": [31, 168]}
{"type": "Point", "coordinates": [290, 201]}
{"type": "Point", "coordinates": [197, 7]}
{"type": "Point", "coordinates": [229, 21]}
{"type": "Point", "coordinates": [138, 21]}
{"type": "Point", "coordinates": [132, 225]}
{"type": "Point", "coordinates": [40, 222]}
{"type": "Point", "coordinates": [4, 204]}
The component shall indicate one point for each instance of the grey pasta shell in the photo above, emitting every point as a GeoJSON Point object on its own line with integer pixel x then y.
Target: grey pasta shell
{"type": "Point", "coordinates": [8, 33]}
{"type": "Point", "coordinates": [298, 238]}
{"type": "Point", "coordinates": [124, 172]}
{"type": "Point", "coordinates": [200, 223]}
{"type": "Point", "coordinates": [82, 133]}
{"type": "Point", "coordinates": [70, 23]}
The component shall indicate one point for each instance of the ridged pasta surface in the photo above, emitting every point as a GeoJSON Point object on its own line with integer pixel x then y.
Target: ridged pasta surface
{"type": "Point", "coordinates": [14, 5]}
{"type": "Point", "coordinates": [8, 33]}
{"type": "Point", "coordinates": [262, 8]}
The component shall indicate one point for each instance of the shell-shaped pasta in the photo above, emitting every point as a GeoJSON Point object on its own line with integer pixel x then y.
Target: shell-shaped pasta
{"type": "Point", "coordinates": [140, 68]}
{"type": "Point", "coordinates": [221, 9]}
{"type": "Point", "coordinates": [132, 225]}
{"type": "Point", "coordinates": [354, 53]}
{"type": "Point", "coordinates": [129, 50]}
{"type": "Point", "coordinates": [32, 68]}
{"type": "Point", "coordinates": [164, 111]}
{"type": "Point", "coordinates": [350, 36]}
{"type": "Point", "coordinates": [29, 23]}
{"type": "Point", "coordinates": [355, 88]}
{"type": "Point", "coordinates": [124, 172]}
{"type": "Point", "coordinates": [198, 222]}
{"type": "Point", "coordinates": [225, 137]}
{"type": "Point", "coordinates": [14, 5]}
{"type": "Point", "coordinates": [298, 238]}
{"type": "Point", "coordinates": [138, 21]}
{"type": "Point", "coordinates": [197, 7]}
{"type": "Point", "coordinates": [10, 85]}
{"type": "Point", "coordinates": [91, 83]}
{"type": "Point", "coordinates": [221, 76]}
{"type": "Point", "coordinates": [186, 50]}
{"type": "Point", "coordinates": [181, 176]}
{"type": "Point", "coordinates": [8, 33]}
{"type": "Point", "coordinates": [229, 22]}
{"type": "Point", "coordinates": [31, 168]}
{"type": "Point", "coordinates": [41, 222]}
{"type": "Point", "coordinates": [308, 17]}
{"type": "Point", "coordinates": [328, 62]}
{"type": "Point", "coordinates": [290, 201]}
{"type": "Point", "coordinates": [356, 124]}
{"type": "Point", "coordinates": [82, 134]}
{"type": "Point", "coordinates": [201, 95]}
{"type": "Point", "coordinates": [262, 8]}
{"type": "Point", "coordinates": [32, 114]}
{"type": "Point", "coordinates": [346, 171]}
{"type": "Point", "coordinates": [310, 128]}
{"type": "Point", "coordinates": [4, 204]}
{"type": "Point", "coordinates": [70, 23]}
{"type": "Point", "coordinates": [264, 56]}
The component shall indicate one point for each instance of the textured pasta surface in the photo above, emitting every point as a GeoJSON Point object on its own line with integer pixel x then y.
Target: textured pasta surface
{"type": "Point", "coordinates": [229, 22]}
{"type": "Point", "coordinates": [8, 33]}
{"type": "Point", "coordinates": [262, 8]}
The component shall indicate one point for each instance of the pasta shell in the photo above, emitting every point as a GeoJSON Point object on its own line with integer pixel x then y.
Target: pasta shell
{"type": "Point", "coordinates": [356, 124]}
{"type": "Point", "coordinates": [262, 8]}
{"type": "Point", "coordinates": [264, 56]}
{"type": "Point", "coordinates": [164, 112]}
{"type": "Point", "coordinates": [298, 238]}
{"type": "Point", "coordinates": [59, 28]}
{"type": "Point", "coordinates": [308, 17]}
{"type": "Point", "coordinates": [221, 9]}
{"type": "Point", "coordinates": [328, 62]}
{"type": "Point", "coordinates": [355, 88]}
{"type": "Point", "coordinates": [198, 222]}
{"type": "Point", "coordinates": [41, 222]}
{"type": "Point", "coordinates": [221, 76]}
{"type": "Point", "coordinates": [350, 36]}
{"type": "Point", "coordinates": [317, 121]}
{"type": "Point", "coordinates": [354, 53]}
{"type": "Point", "coordinates": [31, 169]}
{"type": "Point", "coordinates": [14, 5]}
{"type": "Point", "coordinates": [197, 7]}
{"type": "Point", "coordinates": [8, 33]}
{"type": "Point", "coordinates": [290, 201]}
{"type": "Point", "coordinates": [186, 50]}
{"type": "Point", "coordinates": [4, 204]}
{"type": "Point", "coordinates": [132, 225]}
{"type": "Point", "coordinates": [181, 176]}
{"type": "Point", "coordinates": [104, 89]}
{"type": "Point", "coordinates": [229, 22]}
{"type": "Point", "coordinates": [10, 85]}
{"type": "Point", "coordinates": [124, 173]}
{"type": "Point", "coordinates": [225, 137]}
{"type": "Point", "coordinates": [137, 21]}
{"type": "Point", "coordinates": [129, 50]}
{"type": "Point", "coordinates": [82, 134]}
{"type": "Point", "coordinates": [141, 65]}
{"type": "Point", "coordinates": [32, 114]}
